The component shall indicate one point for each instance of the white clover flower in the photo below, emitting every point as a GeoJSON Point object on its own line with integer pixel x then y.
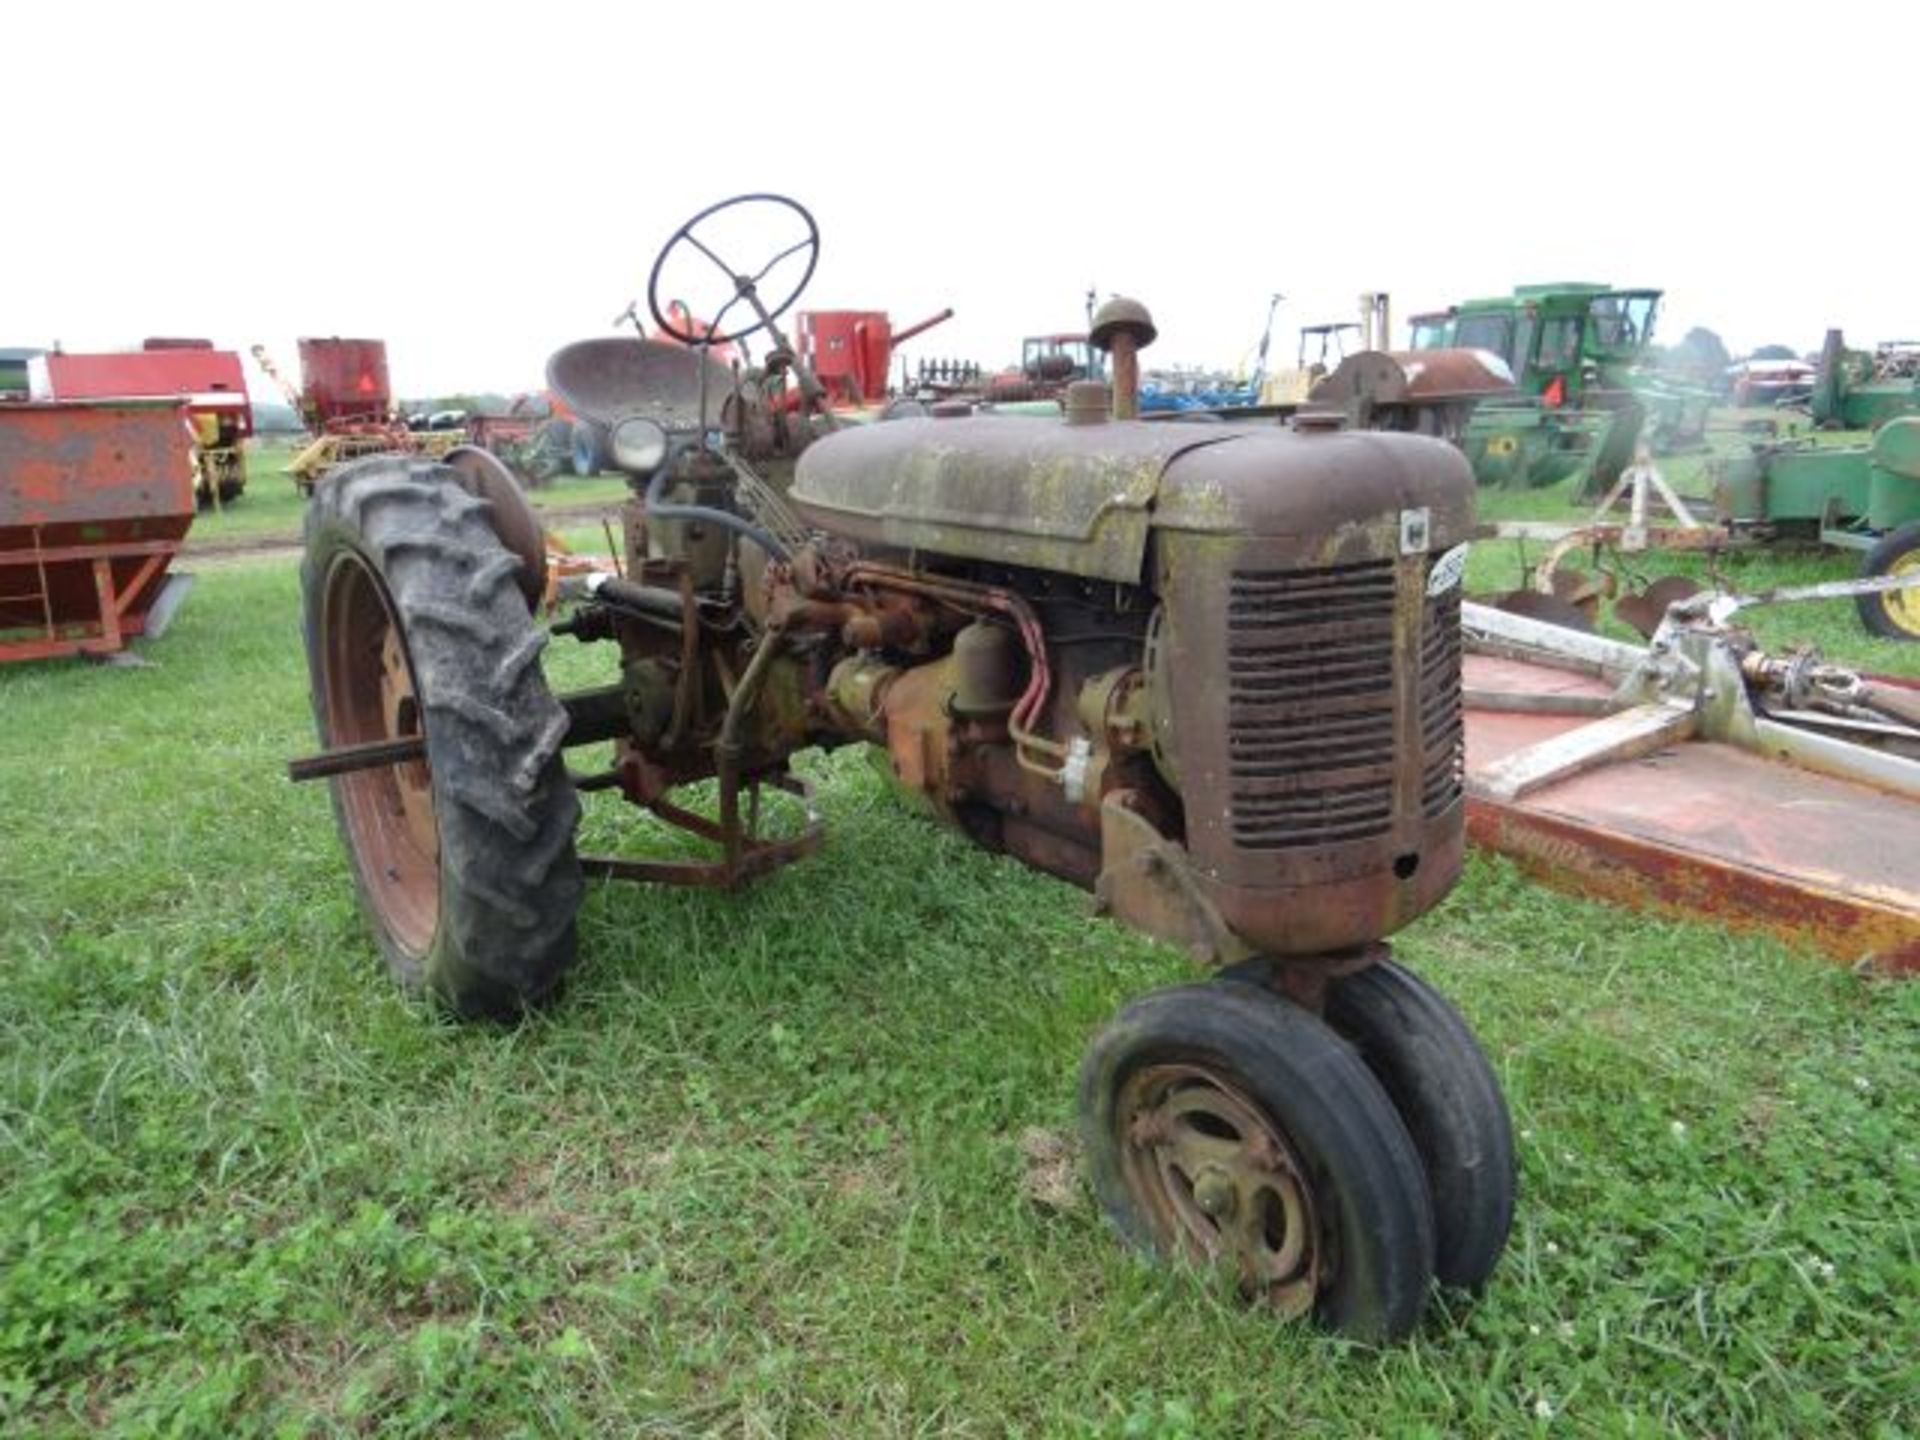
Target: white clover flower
{"type": "Point", "coordinates": [1543, 1409]}
{"type": "Point", "coordinates": [1678, 1129]}
{"type": "Point", "coordinates": [1552, 1248]}
{"type": "Point", "coordinates": [1862, 1084]}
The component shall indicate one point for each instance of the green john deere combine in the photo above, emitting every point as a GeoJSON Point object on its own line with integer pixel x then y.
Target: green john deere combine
{"type": "Point", "coordinates": [1583, 391]}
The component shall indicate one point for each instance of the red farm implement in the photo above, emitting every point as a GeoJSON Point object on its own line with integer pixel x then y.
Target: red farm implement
{"type": "Point", "coordinates": [345, 400]}
{"type": "Point", "coordinates": [851, 351]}
{"type": "Point", "coordinates": [95, 498]}
{"type": "Point", "coordinates": [207, 381]}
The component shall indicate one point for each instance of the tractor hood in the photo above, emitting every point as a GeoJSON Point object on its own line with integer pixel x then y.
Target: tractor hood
{"type": "Point", "coordinates": [1083, 499]}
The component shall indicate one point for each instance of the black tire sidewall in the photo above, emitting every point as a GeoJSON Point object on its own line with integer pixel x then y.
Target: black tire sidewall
{"type": "Point", "coordinates": [1438, 1078]}
{"type": "Point", "coordinates": [510, 880]}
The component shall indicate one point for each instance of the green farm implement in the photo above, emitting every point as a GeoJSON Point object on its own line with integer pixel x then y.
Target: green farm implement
{"type": "Point", "coordinates": [1858, 390]}
{"type": "Point", "coordinates": [1857, 497]}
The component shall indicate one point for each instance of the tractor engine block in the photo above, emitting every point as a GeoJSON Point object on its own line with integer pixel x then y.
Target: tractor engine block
{"type": "Point", "coordinates": [1228, 702]}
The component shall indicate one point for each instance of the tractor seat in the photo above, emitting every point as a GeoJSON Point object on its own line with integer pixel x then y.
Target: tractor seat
{"type": "Point", "coordinates": [607, 380]}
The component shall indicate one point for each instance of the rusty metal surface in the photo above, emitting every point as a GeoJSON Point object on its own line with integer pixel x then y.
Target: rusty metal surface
{"type": "Point", "coordinates": [210, 380]}
{"type": "Point", "coordinates": [95, 498]}
{"type": "Point", "coordinates": [1414, 377]}
{"type": "Point", "coordinates": [362, 755]}
{"type": "Point", "coordinates": [745, 853]}
{"type": "Point", "coordinates": [513, 518]}
{"type": "Point", "coordinates": [1219, 1181]}
{"type": "Point", "coordinates": [1644, 611]}
{"type": "Point", "coordinates": [1848, 924]}
{"type": "Point", "coordinates": [343, 380]}
{"type": "Point", "coordinates": [1554, 609]}
{"type": "Point", "coordinates": [1335, 494]}
{"type": "Point", "coordinates": [1147, 880]}
{"type": "Point", "coordinates": [610, 379]}
{"type": "Point", "coordinates": [1018, 490]}
{"type": "Point", "coordinates": [1124, 328]}
{"type": "Point", "coordinates": [1313, 717]}
{"type": "Point", "coordinates": [1704, 830]}
{"type": "Point", "coordinates": [89, 462]}
{"type": "Point", "coordinates": [365, 679]}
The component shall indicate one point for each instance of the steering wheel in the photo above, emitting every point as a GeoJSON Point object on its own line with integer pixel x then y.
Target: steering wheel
{"type": "Point", "coordinates": [745, 287]}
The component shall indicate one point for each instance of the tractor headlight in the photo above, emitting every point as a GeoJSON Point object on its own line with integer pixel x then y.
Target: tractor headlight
{"type": "Point", "coordinates": [639, 445]}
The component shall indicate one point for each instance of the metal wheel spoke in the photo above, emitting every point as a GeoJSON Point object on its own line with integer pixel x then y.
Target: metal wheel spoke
{"type": "Point", "coordinates": [1196, 1151]}
{"type": "Point", "coordinates": [793, 249]}
{"type": "Point", "coordinates": [701, 245]}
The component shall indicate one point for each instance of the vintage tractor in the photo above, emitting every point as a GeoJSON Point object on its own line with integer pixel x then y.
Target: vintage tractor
{"type": "Point", "coordinates": [1210, 673]}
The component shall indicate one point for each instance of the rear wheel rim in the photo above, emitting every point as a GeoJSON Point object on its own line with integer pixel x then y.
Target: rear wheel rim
{"type": "Point", "coordinates": [368, 682]}
{"type": "Point", "coordinates": [1903, 606]}
{"type": "Point", "coordinates": [1218, 1182]}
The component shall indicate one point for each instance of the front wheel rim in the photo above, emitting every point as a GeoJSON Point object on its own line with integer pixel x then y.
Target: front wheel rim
{"type": "Point", "coordinates": [1217, 1181]}
{"type": "Point", "coordinates": [371, 694]}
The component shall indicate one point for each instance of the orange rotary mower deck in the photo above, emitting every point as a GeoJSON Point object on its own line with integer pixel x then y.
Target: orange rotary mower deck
{"type": "Point", "coordinates": [1654, 805]}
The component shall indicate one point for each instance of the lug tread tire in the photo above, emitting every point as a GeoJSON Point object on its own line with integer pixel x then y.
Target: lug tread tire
{"type": "Point", "coordinates": [1367, 1176]}
{"type": "Point", "coordinates": [1438, 1078]}
{"type": "Point", "coordinates": [510, 878]}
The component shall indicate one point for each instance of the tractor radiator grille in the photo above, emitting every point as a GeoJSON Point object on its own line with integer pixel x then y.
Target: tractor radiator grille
{"type": "Point", "coordinates": [1443, 737]}
{"type": "Point", "coordinates": [1310, 705]}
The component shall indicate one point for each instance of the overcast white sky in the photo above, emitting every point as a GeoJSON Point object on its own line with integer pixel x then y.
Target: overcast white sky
{"type": "Point", "coordinates": [478, 184]}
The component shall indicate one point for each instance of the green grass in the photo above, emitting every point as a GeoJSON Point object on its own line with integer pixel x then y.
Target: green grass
{"type": "Point", "coordinates": [761, 1171]}
{"type": "Point", "coordinates": [272, 508]}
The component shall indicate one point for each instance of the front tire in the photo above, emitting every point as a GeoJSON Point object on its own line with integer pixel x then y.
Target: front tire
{"type": "Point", "coordinates": [1224, 1124]}
{"type": "Point", "coordinates": [415, 625]}
{"type": "Point", "coordinates": [1438, 1078]}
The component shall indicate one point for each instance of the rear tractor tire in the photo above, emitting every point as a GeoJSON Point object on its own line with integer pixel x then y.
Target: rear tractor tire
{"type": "Point", "coordinates": [416, 625]}
{"type": "Point", "coordinates": [1893, 614]}
{"type": "Point", "coordinates": [1225, 1125]}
